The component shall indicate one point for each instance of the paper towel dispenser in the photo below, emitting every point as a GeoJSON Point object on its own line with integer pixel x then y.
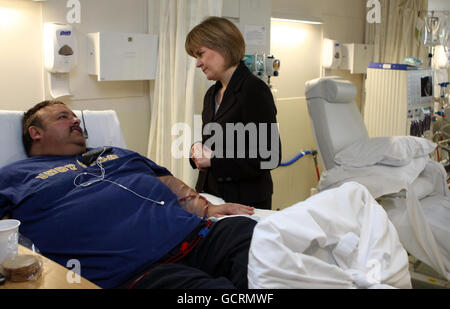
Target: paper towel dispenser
{"type": "Point", "coordinates": [117, 56]}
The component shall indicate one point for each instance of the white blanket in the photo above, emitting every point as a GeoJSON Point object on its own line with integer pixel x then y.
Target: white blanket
{"type": "Point", "coordinates": [423, 231]}
{"type": "Point", "coordinates": [339, 238]}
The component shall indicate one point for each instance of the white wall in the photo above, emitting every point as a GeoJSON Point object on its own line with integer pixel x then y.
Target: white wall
{"type": "Point", "coordinates": [300, 55]}
{"type": "Point", "coordinates": [20, 54]}
{"type": "Point", "coordinates": [255, 13]}
{"type": "Point", "coordinates": [439, 5]}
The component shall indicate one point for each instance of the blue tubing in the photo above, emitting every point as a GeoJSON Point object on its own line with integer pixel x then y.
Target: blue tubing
{"type": "Point", "coordinates": [301, 154]}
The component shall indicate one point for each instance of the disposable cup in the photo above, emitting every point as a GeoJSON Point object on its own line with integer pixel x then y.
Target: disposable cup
{"type": "Point", "coordinates": [9, 236]}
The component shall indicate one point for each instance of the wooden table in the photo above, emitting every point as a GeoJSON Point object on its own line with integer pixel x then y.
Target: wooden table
{"type": "Point", "coordinates": [53, 276]}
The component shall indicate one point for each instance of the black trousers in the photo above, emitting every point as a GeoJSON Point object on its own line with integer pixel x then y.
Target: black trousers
{"type": "Point", "coordinates": [267, 204]}
{"type": "Point", "coordinates": [219, 261]}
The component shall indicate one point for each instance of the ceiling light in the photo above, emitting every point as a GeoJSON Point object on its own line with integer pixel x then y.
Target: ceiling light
{"type": "Point", "coordinates": [278, 16]}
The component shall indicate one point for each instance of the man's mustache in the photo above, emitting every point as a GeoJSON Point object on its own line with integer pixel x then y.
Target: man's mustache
{"type": "Point", "coordinates": [76, 127]}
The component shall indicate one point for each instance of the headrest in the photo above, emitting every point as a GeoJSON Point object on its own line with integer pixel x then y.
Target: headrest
{"type": "Point", "coordinates": [332, 89]}
{"type": "Point", "coordinates": [103, 129]}
{"type": "Point", "coordinates": [11, 148]}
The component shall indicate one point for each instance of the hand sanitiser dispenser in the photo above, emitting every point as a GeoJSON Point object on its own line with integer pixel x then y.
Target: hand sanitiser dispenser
{"type": "Point", "coordinates": [331, 54]}
{"type": "Point", "coordinates": [60, 56]}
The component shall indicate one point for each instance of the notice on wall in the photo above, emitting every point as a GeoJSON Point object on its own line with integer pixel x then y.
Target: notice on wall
{"type": "Point", "coordinates": [255, 35]}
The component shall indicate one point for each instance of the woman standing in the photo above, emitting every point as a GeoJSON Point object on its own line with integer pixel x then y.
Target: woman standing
{"type": "Point", "coordinates": [240, 140]}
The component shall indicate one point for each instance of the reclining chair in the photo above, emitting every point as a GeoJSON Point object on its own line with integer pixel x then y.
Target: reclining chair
{"type": "Point", "coordinates": [338, 129]}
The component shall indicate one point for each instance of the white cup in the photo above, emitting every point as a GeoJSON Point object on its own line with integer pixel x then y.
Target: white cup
{"type": "Point", "coordinates": [9, 236]}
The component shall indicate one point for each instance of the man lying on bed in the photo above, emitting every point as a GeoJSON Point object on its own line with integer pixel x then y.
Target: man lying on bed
{"type": "Point", "coordinates": [128, 221]}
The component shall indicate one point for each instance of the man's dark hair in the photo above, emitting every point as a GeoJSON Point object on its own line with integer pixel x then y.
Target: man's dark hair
{"type": "Point", "coordinates": [30, 118]}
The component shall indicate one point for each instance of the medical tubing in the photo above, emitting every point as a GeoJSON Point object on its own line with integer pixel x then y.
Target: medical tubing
{"type": "Point", "coordinates": [302, 154]}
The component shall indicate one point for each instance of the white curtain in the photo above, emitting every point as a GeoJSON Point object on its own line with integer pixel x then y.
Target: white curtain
{"type": "Point", "coordinates": [177, 93]}
{"type": "Point", "coordinates": [395, 37]}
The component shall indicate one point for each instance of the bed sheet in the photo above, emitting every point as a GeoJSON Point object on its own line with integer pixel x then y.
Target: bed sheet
{"type": "Point", "coordinates": [422, 230]}
{"type": "Point", "coordinates": [339, 238]}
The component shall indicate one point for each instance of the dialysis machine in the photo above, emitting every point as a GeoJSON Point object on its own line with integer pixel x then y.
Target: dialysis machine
{"type": "Point", "coordinates": [399, 100]}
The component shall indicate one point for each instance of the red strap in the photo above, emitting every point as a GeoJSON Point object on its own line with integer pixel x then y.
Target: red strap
{"type": "Point", "coordinates": [185, 248]}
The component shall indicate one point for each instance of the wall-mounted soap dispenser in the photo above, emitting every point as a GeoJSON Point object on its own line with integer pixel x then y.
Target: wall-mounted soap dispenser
{"type": "Point", "coordinates": [60, 57]}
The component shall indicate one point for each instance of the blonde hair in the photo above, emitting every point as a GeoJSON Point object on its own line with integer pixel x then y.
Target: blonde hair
{"type": "Point", "coordinates": [219, 34]}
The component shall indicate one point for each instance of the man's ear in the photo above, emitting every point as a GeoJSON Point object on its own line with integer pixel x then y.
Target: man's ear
{"type": "Point", "coordinates": [35, 133]}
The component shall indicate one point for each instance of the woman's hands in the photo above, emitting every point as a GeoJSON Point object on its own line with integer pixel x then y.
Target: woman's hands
{"type": "Point", "coordinates": [201, 155]}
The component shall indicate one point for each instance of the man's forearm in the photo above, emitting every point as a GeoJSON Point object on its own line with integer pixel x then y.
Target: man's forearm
{"type": "Point", "coordinates": [193, 204]}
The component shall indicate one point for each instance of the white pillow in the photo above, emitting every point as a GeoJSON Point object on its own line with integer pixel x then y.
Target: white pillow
{"type": "Point", "coordinates": [422, 187]}
{"type": "Point", "coordinates": [386, 150]}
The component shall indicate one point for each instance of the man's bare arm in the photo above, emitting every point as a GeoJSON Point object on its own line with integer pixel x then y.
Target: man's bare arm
{"type": "Point", "coordinates": [195, 205]}
{"type": "Point", "coordinates": [199, 205]}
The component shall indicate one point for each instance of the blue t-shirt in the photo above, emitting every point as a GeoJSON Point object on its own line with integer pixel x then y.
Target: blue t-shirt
{"type": "Point", "coordinates": [113, 233]}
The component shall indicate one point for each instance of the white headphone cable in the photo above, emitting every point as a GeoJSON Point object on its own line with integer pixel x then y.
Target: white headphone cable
{"type": "Point", "coordinates": [102, 178]}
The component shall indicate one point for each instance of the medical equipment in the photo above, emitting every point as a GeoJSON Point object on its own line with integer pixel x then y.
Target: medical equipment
{"type": "Point", "coordinates": [436, 28]}
{"type": "Point", "coordinates": [399, 100]}
{"type": "Point", "coordinates": [272, 66]}
{"type": "Point", "coordinates": [432, 33]}
{"type": "Point", "coordinates": [443, 99]}
{"type": "Point", "coordinates": [441, 133]}
{"type": "Point", "coordinates": [301, 155]}
{"type": "Point", "coordinates": [435, 32]}
{"type": "Point", "coordinates": [412, 188]}
{"type": "Point", "coordinates": [263, 66]}
{"type": "Point", "coordinates": [184, 249]}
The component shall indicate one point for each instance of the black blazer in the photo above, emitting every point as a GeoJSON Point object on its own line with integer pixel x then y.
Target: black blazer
{"type": "Point", "coordinates": [233, 175]}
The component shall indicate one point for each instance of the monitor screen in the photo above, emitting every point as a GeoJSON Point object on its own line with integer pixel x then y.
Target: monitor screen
{"type": "Point", "coordinates": [426, 86]}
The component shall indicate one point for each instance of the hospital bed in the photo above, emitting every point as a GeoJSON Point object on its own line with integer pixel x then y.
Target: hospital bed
{"type": "Point", "coordinates": [340, 238]}
{"type": "Point", "coordinates": [397, 171]}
